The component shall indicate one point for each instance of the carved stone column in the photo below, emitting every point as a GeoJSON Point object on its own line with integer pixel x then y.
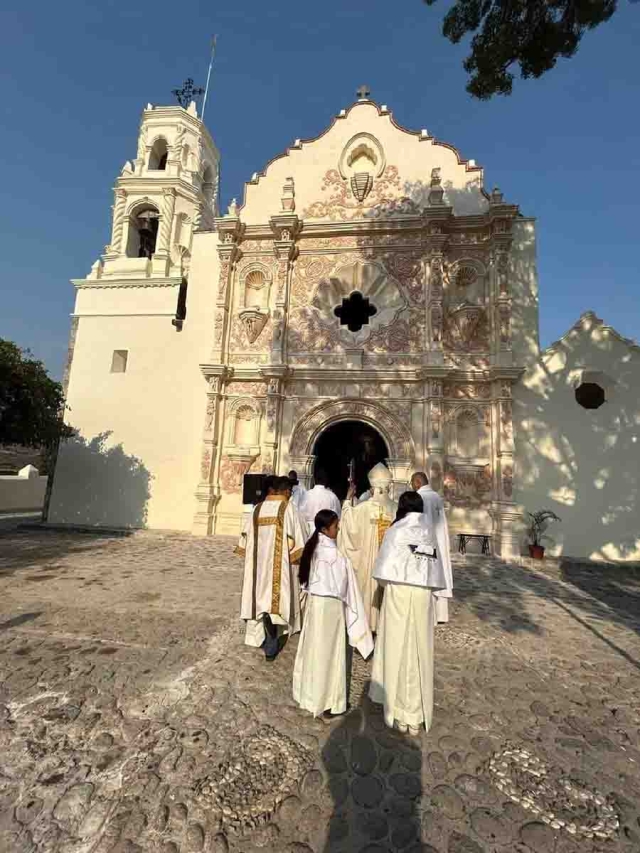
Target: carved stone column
{"type": "Point", "coordinates": [501, 237]}
{"type": "Point", "coordinates": [435, 304]}
{"type": "Point", "coordinates": [208, 491]}
{"type": "Point", "coordinates": [117, 230]}
{"type": "Point", "coordinates": [285, 227]}
{"type": "Point", "coordinates": [273, 417]}
{"type": "Point", "coordinates": [166, 222]}
{"type": "Point", "coordinates": [435, 434]}
{"type": "Point", "coordinates": [229, 230]}
{"type": "Point", "coordinates": [504, 510]}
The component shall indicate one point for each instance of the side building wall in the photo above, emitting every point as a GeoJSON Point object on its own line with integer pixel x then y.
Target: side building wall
{"type": "Point", "coordinates": [584, 464]}
{"type": "Point", "coordinates": [134, 462]}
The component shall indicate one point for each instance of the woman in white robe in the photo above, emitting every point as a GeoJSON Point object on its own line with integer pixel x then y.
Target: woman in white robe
{"type": "Point", "coordinates": [333, 612]}
{"type": "Point", "coordinates": [409, 566]}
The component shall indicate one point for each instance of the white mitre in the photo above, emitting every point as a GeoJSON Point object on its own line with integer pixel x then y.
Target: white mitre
{"type": "Point", "coordinates": [381, 479]}
{"type": "Point", "coordinates": [379, 475]}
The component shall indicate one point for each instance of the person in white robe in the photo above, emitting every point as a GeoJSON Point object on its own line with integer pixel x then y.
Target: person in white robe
{"type": "Point", "coordinates": [298, 491]}
{"type": "Point", "coordinates": [334, 611]}
{"type": "Point", "coordinates": [365, 496]}
{"type": "Point", "coordinates": [362, 530]}
{"type": "Point", "coordinates": [437, 518]}
{"type": "Point", "coordinates": [409, 567]}
{"type": "Point", "coordinates": [270, 591]}
{"type": "Point", "coordinates": [317, 498]}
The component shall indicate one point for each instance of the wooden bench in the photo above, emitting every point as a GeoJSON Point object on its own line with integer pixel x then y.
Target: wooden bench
{"type": "Point", "coordinates": [464, 538]}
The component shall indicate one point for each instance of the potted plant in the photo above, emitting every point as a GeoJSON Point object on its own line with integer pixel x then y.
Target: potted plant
{"type": "Point", "coordinates": [538, 523]}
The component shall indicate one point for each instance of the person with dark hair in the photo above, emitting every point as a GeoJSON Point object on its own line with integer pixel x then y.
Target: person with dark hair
{"type": "Point", "coordinates": [270, 592]}
{"type": "Point", "coordinates": [298, 491]}
{"type": "Point", "coordinates": [437, 519]}
{"type": "Point", "coordinates": [410, 568]}
{"type": "Point", "coordinates": [317, 498]}
{"type": "Point", "coordinates": [267, 486]}
{"type": "Point", "coordinates": [334, 610]}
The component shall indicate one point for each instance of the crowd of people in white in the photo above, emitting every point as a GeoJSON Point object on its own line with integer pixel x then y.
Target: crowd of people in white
{"type": "Point", "coordinates": [337, 573]}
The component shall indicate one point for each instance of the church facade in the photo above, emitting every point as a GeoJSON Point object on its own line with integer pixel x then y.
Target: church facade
{"type": "Point", "coordinates": [367, 277]}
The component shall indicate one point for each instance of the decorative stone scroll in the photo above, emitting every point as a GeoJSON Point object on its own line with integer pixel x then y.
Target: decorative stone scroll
{"type": "Point", "coordinates": [467, 486]}
{"type": "Point", "coordinates": [395, 433]}
{"type": "Point", "coordinates": [467, 391]}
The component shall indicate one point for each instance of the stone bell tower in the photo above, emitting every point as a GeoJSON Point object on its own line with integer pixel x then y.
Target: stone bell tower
{"type": "Point", "coordinates": [162, 196]}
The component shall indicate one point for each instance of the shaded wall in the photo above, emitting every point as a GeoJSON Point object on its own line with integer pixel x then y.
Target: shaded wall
{"type": "Point", "coordinates": [584, 464]}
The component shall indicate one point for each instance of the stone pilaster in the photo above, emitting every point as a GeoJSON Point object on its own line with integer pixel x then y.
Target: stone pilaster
{"type": "Point", "coordinates": [117, 230]}
{"type": "Point", "coordinates": [435, 298]}
{"type": "Point", "coordinates": [285, 227]}
{"type": "Point", "coordinates": [435, 434]}
{"type": "Point", "coordinates": [273, 418]}
{"type": "Point", "coordinates": [229, 230]}
{"type": "Point", "coordinates": [208, 491]}
{"type": "Point", "coordinates": [504, 511]}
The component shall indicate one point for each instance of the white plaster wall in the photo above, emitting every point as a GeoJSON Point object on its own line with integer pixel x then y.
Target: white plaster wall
{"type": "Point", "coordinates": [145, 468]}
{"type": "Point", "coordinates": [523, 278]}
{"type": "Point", "coordinates": [582, 464]}
{"type": "Point", "coordinates": [22, 493]}
{"type": "Point", "coordinates": [414, 158]}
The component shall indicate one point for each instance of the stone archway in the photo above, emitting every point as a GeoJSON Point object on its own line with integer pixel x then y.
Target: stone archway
{"type": "Point", "coordinates": [396, 436]}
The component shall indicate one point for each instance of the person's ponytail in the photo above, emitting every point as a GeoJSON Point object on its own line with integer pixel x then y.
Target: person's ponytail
{"type": "Point", "coordinates": [322, 520]}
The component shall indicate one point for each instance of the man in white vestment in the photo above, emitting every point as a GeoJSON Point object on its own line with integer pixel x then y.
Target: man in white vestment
{"type": "Point", "coordinates": [411, 571]}
{"type": "Point", "coordinates": [317, 498]}
{"type": "Point", "coordinates": [362, 529]}
{"type": "Point", "coordinates": [365, 496]}
{"type": "Point", "coordinates": [298, 491]}
{"type": "Point", "coordinates": [267, 489]}
{"type": "Point", "coordinates": [271, 592]}
{"type": "Point", "coordinates": [437, 517]}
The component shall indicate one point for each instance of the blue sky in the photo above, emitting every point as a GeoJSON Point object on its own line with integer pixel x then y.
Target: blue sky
{"type": "Point", "coordinates": [75, 78]}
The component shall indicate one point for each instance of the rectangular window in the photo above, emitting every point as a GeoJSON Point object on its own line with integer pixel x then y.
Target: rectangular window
{"type": "Point", "coordinates": [119, 361]}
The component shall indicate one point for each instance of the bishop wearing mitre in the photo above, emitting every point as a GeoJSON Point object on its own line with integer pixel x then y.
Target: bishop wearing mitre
{"type": "Point", "coordinates": [362, 530]}
{"type": "Point", "coordinates": [271, 592]}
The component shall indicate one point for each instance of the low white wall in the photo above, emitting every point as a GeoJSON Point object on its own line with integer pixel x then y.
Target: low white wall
{"type": "Point", "coordinates": [22, 492]}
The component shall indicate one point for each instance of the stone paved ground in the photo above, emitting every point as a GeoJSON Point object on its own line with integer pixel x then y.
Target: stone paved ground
{"type": "Point", "coordinates": [132, 718]}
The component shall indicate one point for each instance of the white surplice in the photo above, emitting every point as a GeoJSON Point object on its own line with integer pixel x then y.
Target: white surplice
{"type": "Point", "coordinates": [297, 495]}
{"type": "Point", "coordinates": [362, 529]}
{"type": "Point", "coordinates": [334, 611]}
{"type": "Point", "coordinates": [411, 570]}
{"type": "Point", "coordinates": [317, 498]}
{"type": "Point", "coordinates": [437, 518]}
{"type": "Point", "coordinates": [275, 539]}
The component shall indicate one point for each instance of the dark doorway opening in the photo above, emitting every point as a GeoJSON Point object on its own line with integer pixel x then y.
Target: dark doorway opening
{"type": "Point", "coordinates": [341, 443]}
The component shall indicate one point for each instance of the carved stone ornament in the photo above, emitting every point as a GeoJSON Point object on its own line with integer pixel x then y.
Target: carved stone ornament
{"type": "Point", "coordinates": [361, 185]}
{"type": "Point", "coordinates": [253, 322]}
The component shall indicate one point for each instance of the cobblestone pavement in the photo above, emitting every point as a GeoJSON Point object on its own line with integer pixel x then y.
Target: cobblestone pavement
{"type": "Point", "coordinates": [132, 718]}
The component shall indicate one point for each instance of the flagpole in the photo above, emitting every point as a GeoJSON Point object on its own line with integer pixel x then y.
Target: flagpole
{"type": "Point", "coordinates": [206, 88]}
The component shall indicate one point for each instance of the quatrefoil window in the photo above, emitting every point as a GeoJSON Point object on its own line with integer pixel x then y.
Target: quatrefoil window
{"type": "Point", "coordinates": [355, 311]}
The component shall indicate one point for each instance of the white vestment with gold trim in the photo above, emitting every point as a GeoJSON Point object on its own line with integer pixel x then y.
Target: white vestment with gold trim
{"type": "Point", "coordinates": [362, 529]}
{"type": "Point", "coordinates": [274, 542]}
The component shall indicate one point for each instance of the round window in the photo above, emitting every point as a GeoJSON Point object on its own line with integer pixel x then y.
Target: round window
{"type": "Point", "coordinates": [590, 395]}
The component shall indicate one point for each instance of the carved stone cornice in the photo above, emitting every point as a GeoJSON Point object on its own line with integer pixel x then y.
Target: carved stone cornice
{"type": "Point", "coordinates": [230, 230]}
{"type": "Point", "coordinates": [285, 227]}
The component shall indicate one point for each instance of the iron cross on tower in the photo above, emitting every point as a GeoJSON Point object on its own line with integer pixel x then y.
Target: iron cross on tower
{"type": "Point", "coordinates": [187, 93]}
{"type": "Point", "coordinates": [363, 93]}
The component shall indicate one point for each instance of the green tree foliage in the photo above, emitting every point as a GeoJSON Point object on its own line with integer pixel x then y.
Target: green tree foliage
{"type": "Point", "coordinates": [529, 34]}
{"type": "Point", "coordinates": [31, 402]}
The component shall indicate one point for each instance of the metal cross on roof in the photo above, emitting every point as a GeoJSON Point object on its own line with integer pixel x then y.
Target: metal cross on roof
{"type": "Point", "coordinates": [187, 93]}
{"type": "Point", "coordinates": [363, 93]}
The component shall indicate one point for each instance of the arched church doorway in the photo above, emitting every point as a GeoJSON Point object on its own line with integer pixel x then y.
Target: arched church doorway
{"type": "Point", "coordinates": [345, 441]}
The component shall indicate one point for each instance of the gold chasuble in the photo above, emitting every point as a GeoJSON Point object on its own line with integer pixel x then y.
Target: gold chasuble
{"type": "Point", "coordinates": [274, 543]}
